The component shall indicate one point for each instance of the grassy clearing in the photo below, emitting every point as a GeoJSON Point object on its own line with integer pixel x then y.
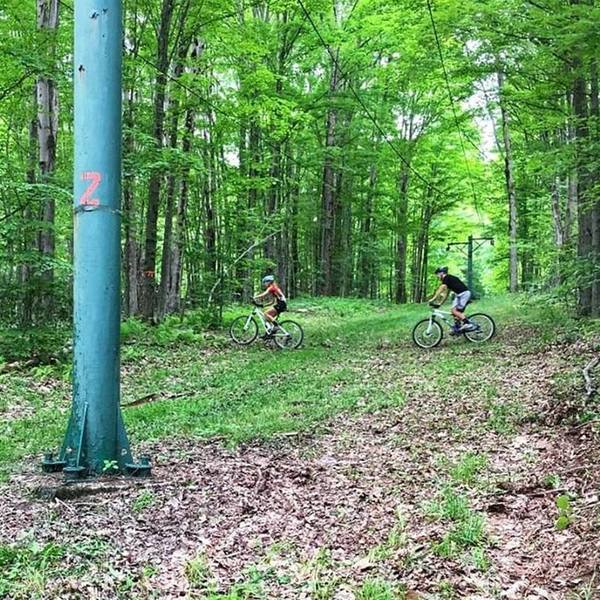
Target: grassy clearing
{"type": "Point", "coordinates": [221, 391]}
{"type": "Point", "coordinates": [317, 578]}
{"type": "Point", "coordinates": [212, 389]}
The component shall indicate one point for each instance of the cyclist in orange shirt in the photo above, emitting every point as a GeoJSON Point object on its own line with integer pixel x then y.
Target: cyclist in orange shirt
{"type": "Point", "coordinates": [274, 298]}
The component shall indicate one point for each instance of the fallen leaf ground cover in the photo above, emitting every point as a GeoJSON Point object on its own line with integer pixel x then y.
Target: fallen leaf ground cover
{"type": "Point", "coordinates": [358, 467]}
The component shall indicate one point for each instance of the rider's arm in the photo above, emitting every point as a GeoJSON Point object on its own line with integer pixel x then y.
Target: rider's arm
{"type": "Point", "coordinates": [265, 298]}
{"type": "Point", "coordinates": [441, 293]}
{"type": "Point", "coordinates": [262, 296]}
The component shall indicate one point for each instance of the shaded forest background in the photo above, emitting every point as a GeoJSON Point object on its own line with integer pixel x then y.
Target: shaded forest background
{"type": "Point", "coordinates": [340, 145]}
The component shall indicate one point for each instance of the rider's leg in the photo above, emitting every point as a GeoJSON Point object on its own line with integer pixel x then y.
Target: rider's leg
{"type": "Point", "coordinates": [458, 307]}
{"type": "Point", "coordinates": [462, 323]}
{"type": "Point", "coordinates": [457, 321]}
{"type": "Point", "coordinates": [457, 314]}
{"type": "Point", "coordinates": [271, 316]}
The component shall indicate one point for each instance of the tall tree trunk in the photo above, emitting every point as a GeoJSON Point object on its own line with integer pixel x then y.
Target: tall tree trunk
{"type": "Point", "coordinates": [26, 271]}
{"type": "Point", "coordinates": [149, 291]}
{"type": "Point", "coordinates": [366, 266]}
{"type": "Point", "coordinates": [172, 182]}
{"type": "Point", "coordinates": [47, 129]}
{"type": "Point", "coordinates": [254, 158]}
{"type": "Point", "coordinates": [421, 243]}
{"type": "Point", "coordinates": [557, 214]}
{"type": "Point", "coordinates": [425, 263]}
{"type": "Point", "coordinates": [584, 206]}
{"type": "Point", "coordinates": [571, 208]}
{"type": "Point", "coordinates": [344, 276]}
{"type": "Point", "coordinates": [174, 284]}
{"type": "Point", "coordinates": [208, 199]}
{"type": "Point", "coordinates": [173, 295]}
{"type": "Point", "coordinates": [273, 243]}
{"type": "Point", "coordinates": [401, 246]}
{"type": "Point", "coordinates": [241, 220]}
{"type": "Point", "coordinates": [594, 180]}
{"type": "Point", "coordinates": [131, 250]}
{"type": "Point", "coordinates": [559, 226]}
{"type": "Point", "coordinates": [513, 262]}
{"type": "Point", "coordinates": [170, 259]}
{"type": "Point", "coordinates": [329, 190]}
{"type": "Point", "coordinates": [294, 263]}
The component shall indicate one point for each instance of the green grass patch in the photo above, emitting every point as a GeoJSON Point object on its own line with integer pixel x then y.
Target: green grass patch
{"type": "Point", "coordinates": [379, 589]}
{"type": "Point", "coordinates": [466, 533]}
{"type": "Point", "coordinates": [449, 505]}
{"type": "Point", "coordinates": [468, 468]}
{"type": "Point", "coordinates": [28, 572]}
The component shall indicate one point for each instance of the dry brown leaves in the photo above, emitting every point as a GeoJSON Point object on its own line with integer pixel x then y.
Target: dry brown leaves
{"type": "Point", "coordinates": [276, 507]}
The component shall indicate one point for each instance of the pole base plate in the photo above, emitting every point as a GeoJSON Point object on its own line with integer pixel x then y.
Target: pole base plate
{"type": "Point", "coordinates": [141, 469]}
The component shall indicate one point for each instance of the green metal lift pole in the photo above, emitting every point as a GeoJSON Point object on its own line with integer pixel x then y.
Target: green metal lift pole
{"type": "Point", "coordinates": [96, 441]}
{"type": "Point", "coordinates": [470, 263]}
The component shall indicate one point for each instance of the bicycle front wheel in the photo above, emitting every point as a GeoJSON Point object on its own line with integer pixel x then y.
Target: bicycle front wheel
{"type": "Point", "coordinates": [484, 328]}
{"type": "Point", "coordinates": [243, 330]}
{"type": "Point", "coordinates": [289, 335]}
{"type": "Point", "coordinates": [427, 333]}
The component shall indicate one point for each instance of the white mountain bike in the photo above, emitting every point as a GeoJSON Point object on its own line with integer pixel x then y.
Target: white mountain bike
{"type": "Point", "coordinates": [286, 334]}
{"type": "Point", "coordinates": [428, 333]}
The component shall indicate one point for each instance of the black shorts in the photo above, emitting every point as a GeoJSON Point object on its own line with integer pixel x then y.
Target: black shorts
{"type": "Point", "coordinates": [280, 306]}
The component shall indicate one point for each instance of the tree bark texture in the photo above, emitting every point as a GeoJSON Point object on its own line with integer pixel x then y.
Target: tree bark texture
{"type": "Point", "coordinates": [148, 288]}
{"type": "Point", "coordinates": [329, 206]}
{"type": "Point", "coordinates": [401, 215]}
{"type": "Point", "coordinates": [513, 261]}
{"type": "Point", "coordinates": [584, 203]}
{"type": "Point", "coordinates": [47, 129]}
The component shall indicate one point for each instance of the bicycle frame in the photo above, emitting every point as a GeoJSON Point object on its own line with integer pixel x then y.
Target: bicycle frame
{"type": "Point", "coordinates": [261, 317]}
{"type": "Point", "coordinates": [445, 316]}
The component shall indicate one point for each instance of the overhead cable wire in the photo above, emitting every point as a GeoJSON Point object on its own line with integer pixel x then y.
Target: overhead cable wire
{"type": "Point", "coordinates": [209, 104]}
{"type": "Point", "coordinates": [447, 80]}
{"type": "Point", "coordinates": [453, 105]}
{"type": "Point", "coordinates": [365, 108]}
{"type": "Point", "coordinates": [228, 15]}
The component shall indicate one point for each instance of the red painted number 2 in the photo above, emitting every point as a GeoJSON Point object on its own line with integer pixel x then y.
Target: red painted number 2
{"type": "Point", "coordinates": [95, 178]}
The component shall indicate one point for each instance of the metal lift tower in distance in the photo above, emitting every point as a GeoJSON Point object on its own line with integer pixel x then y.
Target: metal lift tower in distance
{"type": "Point", "coordinates": [472, 244]}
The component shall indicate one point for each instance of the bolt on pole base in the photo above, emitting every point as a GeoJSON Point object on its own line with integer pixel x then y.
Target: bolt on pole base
{"type": "Point", "coordinates": [142, 469]}
{"type": "Point", "coordinates": [50, 464]}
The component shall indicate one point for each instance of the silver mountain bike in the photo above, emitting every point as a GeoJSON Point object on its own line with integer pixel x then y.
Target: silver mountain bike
{"type": "Point", "coordinates": [428, 333]}
{"type": "Point", "coordinates": [286, 334]}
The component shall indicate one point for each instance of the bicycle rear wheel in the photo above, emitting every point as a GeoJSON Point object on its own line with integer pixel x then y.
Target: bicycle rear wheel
{"type": "Point", "coordinates": [243, 330]}
{"type": "Point", "coordinates": [426, 336]}
{"type": "Point", "coordinates": [289, 335]}
{"type": "Point", "coordinates": [485, 328]}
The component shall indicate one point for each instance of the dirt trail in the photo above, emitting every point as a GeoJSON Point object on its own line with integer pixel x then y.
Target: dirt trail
{"type": "Point", "coordinates": [313, 516]}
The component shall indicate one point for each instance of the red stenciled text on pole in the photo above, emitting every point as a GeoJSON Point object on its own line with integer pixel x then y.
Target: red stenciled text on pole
{"type": "Point", "coordinates": [95, 179]}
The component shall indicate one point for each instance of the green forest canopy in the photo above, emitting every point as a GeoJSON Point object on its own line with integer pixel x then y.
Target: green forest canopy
{"type": "Point", "coordinates": [340, 145]}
